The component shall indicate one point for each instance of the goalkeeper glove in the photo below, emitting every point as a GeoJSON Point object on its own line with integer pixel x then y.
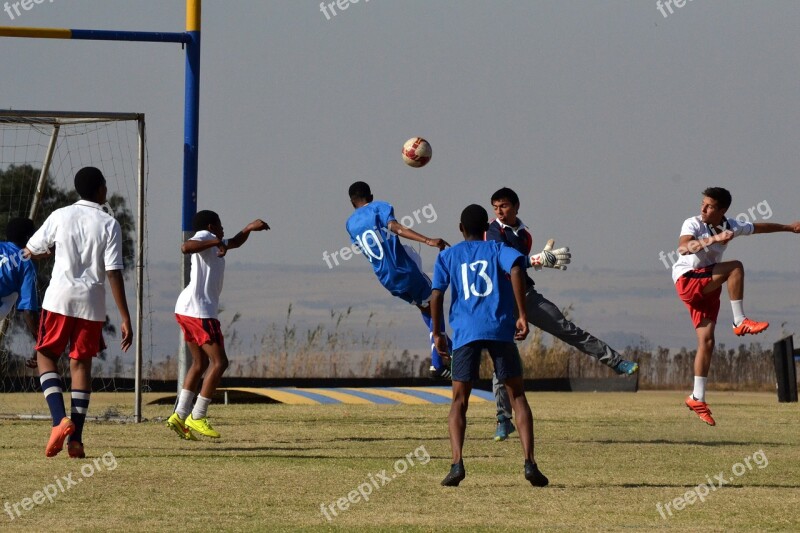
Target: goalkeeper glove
{"type": "Point", "coordinates": [558, 258]}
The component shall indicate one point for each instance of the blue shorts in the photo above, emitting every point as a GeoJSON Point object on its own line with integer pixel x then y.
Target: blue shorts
{"type": "Point", "coordinates": [466, 360]}
{"type": "Point", "coordinates": [416, 289]}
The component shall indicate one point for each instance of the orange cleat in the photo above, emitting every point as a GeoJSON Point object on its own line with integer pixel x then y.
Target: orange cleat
{"type": "Point", "coordinates": [702, 410]}
{"type": "Point", "coordinates": [75, 450]}
{"type": "Point", "coordinates": [750, 327]}
{"type": "Point", "coordinates": [57, 435]}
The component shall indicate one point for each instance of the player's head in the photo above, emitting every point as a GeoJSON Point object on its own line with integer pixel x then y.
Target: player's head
{"type": "Point", "coordinates": [505, 203]}
{"type": "Point", "coordinates": [91, 184]}
{"type": "Point", "coordinates": [474, 222]}
{"type": "Point", "coordinates": [19, 231]}
{"type": "Point", "coordinates": [716, 202]}
{"type": "Point", "coordinates": [208, 221]}
{"type": "Point", "coordinates": [359, 193]}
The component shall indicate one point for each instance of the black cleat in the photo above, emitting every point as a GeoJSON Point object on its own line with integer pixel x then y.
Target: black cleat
{"type": "Point", "coordinates": [455, 476]}
{"type": "Point", "coordinates": [533, 475]}
{"type": "Point", "coordinates": [442, 373]}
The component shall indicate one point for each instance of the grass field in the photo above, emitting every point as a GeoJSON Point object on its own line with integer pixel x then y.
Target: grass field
{"type": "Point", "coordinates": [611, 458]}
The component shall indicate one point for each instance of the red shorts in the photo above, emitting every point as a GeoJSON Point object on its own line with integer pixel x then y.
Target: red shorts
{"type": "Point", "coordinates": [85, 337]}
{"type": "Point", "coordinates": [200, 330]}
{"type": "Point", "coordinates": [690, 290]}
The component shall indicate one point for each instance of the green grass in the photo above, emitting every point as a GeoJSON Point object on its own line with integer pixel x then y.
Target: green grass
{"type": "Point", "coordinates": [610, 458]}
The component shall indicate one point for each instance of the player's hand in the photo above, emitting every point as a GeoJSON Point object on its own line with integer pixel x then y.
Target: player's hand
{"type": "Point", "coordinates": [522, 329]}
{"type": "Point", "coordinates": [558, 258]}
{"type": "Point", "coordinates": [32, 363]}
{"type": "Point", "coordinates": [257, 225]}
{"type": "Point", "coordinates": [795, 226]}
{"type": "Point", "coordinates": [127, 335]}
{"type": "Point", "coordinates": [724, 237]}
{"type": "Point", "coordinates": [441, 244]}
{"type": "Point", "coordinates": [440, 341]}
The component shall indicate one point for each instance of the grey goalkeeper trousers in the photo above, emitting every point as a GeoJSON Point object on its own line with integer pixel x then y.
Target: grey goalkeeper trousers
{"type": "Point", "coordinates": [543, 314]}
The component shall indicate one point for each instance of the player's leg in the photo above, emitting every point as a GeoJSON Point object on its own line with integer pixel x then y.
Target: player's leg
{"type": "Point", "coordinates": [508, 367]}
{"type": "Point", "coordinates": [504, 425]}
{"type": "Point", "coordinates": [466, 362]}
{"type": "Point", "coordinates": [545, 315]}
{"type": "Point", "coordinates": [52, 340]}
{"type": "Point", "coordinates": [191, 385]}
{"type": "Point", "coordinates": [732, 273]}
{"type": "Point", "coordinates": [215, 351]}
{"type": "Point", "coordinates": [702, 363]}
{"type": "Point", "coordinates": [440, 368]}
{"type": "Point", "coordinates": [86, 342]}
{"type": "Point", "coordinates": [80, 393]}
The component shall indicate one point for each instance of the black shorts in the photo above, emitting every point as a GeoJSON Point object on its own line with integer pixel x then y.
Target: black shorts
{"type": "Point", "coordinates": [466, 361]}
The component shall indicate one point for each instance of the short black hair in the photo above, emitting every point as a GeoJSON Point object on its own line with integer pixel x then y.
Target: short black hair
{"type": "Point", "coordinates": [203, 219]}
{"type": "Point", "coordinates": [88, 181]}
{"type": "Point", "coordinates": [505, 194]}
{"type": "Point", "coordinates": [720, 195]}
{"type": "Point", "coordinates": [359, 190]}
{"type": "Point", "coordinates": [19, 230]}
{"type": "Point", "coordinates": [474, 220]}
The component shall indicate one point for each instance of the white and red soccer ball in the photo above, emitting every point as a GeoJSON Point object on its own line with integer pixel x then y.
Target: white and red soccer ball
{"type": "Point", "coordinates": [417, 152]}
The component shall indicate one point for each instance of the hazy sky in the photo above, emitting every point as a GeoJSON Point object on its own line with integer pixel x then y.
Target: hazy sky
{"type": "Point", "coordinates": [606, 117]}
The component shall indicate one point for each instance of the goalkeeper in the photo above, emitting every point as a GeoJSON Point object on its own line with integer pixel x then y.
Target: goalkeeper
{"type": "Point", "coordinates": [542, 313]}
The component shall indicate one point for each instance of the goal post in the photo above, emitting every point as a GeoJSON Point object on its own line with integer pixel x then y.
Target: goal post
{"type": "Point", "coordinates": [40, 151]}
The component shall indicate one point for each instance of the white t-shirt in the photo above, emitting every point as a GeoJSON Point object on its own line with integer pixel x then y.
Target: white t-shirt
{"type": "Point", "coordinates": [704, 257]}
{"type": "Point", "coordinates": [200, 298]}
{"type": "Point", "coordinates": [88, 243]}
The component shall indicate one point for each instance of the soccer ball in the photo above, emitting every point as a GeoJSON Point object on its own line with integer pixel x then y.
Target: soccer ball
{"type": "Point", "coordinates": [417, 152]}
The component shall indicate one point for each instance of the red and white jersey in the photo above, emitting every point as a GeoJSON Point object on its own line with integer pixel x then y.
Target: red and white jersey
{"type": "Point", "coordinates": [200, 298]}
{"type": "Point", "coordinates": [711, 255]}
{"type": "Point", "coordinates": [88, 243]}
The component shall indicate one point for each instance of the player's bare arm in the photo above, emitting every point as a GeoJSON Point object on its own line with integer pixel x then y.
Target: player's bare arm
{"type": "Point", "coordinates": [770, 227]}
{"type": "Point", "coordinates": [28, 254]}
{"type": "Point", "coordinates": [408, 233]}
{"type": "Point", "coordinates": [194, 247]}
{"type": "Point", "coordinates": [437, 314]}
{"type": "Point", "coordinates": [519, 286]}
{"type": "Point", "coordinates": [117, 283]}
{"type": "Point", "coordinates": [240, 238]}
{"type": "Point", "coordinates": [687, 244]}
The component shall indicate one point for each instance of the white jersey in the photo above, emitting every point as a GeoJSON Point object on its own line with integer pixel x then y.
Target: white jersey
{"type": "Point", "coordinates": [88, 243]}
{"type": "Point", "coordinates": [200, 298]}
{"type": "Point", "coordinates": [711, 255]}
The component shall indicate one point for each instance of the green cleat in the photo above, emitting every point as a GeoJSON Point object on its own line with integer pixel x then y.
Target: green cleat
{"type": "Point", "coordinates": [177, 425]}
{"type": "Point", "coordinates": [201, 426]}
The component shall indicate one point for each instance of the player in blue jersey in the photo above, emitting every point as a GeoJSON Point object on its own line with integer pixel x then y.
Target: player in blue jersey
{"type": "Point", "coordinates": [482, 316]}
{"type": "Point", "coordinates": [18, 277]}
{"type": "Point", "coordinates": [542, 313]}
{"type": "Point", "coordinates": [374, 231]}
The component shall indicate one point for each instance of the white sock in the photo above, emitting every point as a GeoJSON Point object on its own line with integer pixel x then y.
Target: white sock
{"type": "Point", "coordinates": [738, 311]}
{"type": "Point", "coordinates": [200, 408]}
{"type": "Point", "coordinates": [699, 392]}
{"type": "Point", "coordinates": [184, 403]}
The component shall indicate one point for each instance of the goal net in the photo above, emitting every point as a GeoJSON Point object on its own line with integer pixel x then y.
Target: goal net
{"type": "Point", "coordinates": [40, 152]}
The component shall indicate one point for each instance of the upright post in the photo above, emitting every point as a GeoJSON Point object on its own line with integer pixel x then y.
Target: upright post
{"type": "Point", "coordinates": [785, 372]}
{"type": "Point", "coordinates": [190, 150]}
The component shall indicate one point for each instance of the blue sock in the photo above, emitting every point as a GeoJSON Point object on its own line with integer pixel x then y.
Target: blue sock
{"type": "Point", "coordinates": [53, 390]}
{"type": "Point", "coordinates": [80, 405]}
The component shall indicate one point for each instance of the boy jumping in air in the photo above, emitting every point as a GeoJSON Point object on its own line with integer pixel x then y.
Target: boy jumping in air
{"type": "Point", "coordinates": [699, 274]}
{"type": "Point", "coordinates": [375, 231]}
{"type": "Point", "coordinates": [196, 312]}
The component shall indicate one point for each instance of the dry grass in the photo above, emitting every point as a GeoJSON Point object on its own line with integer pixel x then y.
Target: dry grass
{"type": "Point", "coordinates": [610, 457]}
